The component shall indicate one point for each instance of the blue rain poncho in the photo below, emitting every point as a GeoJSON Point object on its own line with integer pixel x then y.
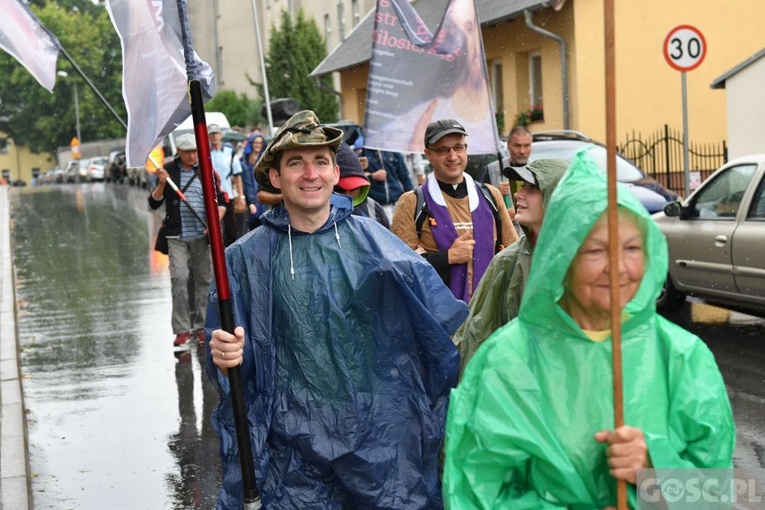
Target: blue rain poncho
{"type": "Point", "coordinates": [522, 420]}
{"type": "Point", "coordinates": [347, 367]}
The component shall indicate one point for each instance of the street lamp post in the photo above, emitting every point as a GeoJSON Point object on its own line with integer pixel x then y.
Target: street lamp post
{"type": "Point", "coordinates": [64, 74]}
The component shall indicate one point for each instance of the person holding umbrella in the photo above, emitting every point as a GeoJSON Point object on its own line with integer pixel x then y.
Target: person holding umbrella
{"type": "Point", "coordinates": [346, 405]}
{"type": "Point", "coordinates": [531, 423]}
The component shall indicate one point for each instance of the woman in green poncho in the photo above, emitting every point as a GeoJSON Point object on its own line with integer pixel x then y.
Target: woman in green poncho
{"type": "Point", "coordinates": [530, 424]}
{"type": "Point", "coordinates": [498, 297]}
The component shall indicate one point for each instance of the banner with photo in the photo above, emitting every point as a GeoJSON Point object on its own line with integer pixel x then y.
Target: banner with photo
{"type": "Point", "coordinates": [416, 77]}
{"type": "Point", "coordinates": [155, 79]}
{"type": "Point", "coordinates": [28, 41]}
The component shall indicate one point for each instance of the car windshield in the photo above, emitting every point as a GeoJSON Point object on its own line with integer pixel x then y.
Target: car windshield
{"type": "Point", "coordinates": [625, 171]}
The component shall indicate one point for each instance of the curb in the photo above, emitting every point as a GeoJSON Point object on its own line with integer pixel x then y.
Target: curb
{"type": "Point", "coordinates": [14, 462]}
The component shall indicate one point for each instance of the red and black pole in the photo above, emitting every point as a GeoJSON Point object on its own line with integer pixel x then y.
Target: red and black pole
{"type": "Point", "coordinates": [224, 291]}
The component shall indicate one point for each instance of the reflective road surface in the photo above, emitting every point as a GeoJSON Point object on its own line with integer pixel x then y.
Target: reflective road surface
{"type": "Point", "coordinates": [117, 421]}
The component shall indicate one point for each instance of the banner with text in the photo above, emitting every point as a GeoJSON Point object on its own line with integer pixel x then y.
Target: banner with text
{"type": "Point", "coordinates": [155, 81]}
{"type": "Point", "coordinates": [416, 78]}
{"type": "Point", "coordinates": [25, 39]}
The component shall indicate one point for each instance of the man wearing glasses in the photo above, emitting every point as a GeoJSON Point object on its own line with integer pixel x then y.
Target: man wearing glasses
{"type": "Point", "coordinates": [457, 224]}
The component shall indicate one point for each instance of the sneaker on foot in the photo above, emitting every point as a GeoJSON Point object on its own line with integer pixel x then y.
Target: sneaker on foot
{"type": "Point", "coordinates": [182, 339]}
{"type": "Point", "coordinates": [200, 337]}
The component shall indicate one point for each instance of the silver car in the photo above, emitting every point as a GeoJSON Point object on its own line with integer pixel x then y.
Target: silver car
{"type": "Point", "coordinates": [716, 239]}
{"type": "Point", "coordinates": [96, 168]}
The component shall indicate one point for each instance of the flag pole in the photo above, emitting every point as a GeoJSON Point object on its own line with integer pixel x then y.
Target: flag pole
{"type": "Point", "coordinates": [263, 69]}
{"type": "Point", "coordinates": [613, 231]}
{"type": "Point", "coordinates": [241, 423]}
{"type": "Point", "coordinates": [92, 86]}
{"type": "Point", "coordinates": [224, 292]}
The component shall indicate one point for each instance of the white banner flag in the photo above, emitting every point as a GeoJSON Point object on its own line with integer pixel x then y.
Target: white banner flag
{"type": "Point", "coordinates": [155, 80]}
{"type": "Point", "coordinates": [417, 77]}
{"type": "Point", "coordinates": [23, 36]}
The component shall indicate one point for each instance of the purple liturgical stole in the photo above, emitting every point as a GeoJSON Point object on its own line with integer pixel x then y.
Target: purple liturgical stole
{"type": "Point", "coordinates": [444, 233]}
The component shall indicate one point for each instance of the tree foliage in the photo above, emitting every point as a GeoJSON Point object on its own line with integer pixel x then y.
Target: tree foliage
{"type": "Point", "coordinates": [44, 121]}
{"type": "Point", "coordinates": [296, 48]}
{"type": "Point", "coordinates": [240, 110]}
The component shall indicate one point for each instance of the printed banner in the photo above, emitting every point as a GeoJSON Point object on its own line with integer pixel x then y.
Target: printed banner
{"type": "Point", "coordinates": [416, 78]}
{"type": "Point", "coordinates": [155, 79]}
{"type": "Point", "coordinates": [23, 37]}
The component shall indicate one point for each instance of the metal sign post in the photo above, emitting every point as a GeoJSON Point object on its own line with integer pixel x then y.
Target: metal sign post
{"type": "Point", "coordinates": [684, 50]}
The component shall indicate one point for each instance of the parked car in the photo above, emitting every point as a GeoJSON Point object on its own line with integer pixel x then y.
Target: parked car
{"type": "Point", "coordinates": [716, 239]}
{"type": "Point", "coordinates": [47, 177]}
{"type": "Point", "coordinates": [72, 171]}
{"type": "Point", "coordinates": [95, 168]}
{"type": "Point", "coordinates": [565, 144]}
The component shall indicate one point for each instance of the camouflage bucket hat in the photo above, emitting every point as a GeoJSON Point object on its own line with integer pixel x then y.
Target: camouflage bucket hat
{"type": "Point", "coordinates": [302, 130]}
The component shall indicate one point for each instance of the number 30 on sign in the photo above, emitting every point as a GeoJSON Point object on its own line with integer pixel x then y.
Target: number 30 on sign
{"type": "Point", "coordinates": [685, 48]}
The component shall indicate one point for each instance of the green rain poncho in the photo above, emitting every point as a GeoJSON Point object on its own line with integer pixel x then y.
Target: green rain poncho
{"type": "Point", "coordinates": [498, 297]}
{"type": "Point", "coordinates": [521, 423]}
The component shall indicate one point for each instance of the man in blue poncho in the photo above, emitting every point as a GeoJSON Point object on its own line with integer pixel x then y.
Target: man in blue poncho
{"type": "Point", "coordinates": [344, 344]}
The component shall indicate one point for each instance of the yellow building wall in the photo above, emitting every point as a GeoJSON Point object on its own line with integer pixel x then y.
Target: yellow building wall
{"type": "Point", "coordinates": [648, 90]}
{"type": "Point", "coordinates": [510, 44]}
{"type": "Point", "coordinates": [353, 83]}
{"type": "Point", "coordinates": [20, 161]}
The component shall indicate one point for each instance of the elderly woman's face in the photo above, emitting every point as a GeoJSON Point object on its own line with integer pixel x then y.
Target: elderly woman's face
{"type": "Point", "coordinates": [588, 278]}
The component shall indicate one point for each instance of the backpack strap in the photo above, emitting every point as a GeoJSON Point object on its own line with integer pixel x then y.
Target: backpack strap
{"type": "Point", "coordinates": [420, 211]}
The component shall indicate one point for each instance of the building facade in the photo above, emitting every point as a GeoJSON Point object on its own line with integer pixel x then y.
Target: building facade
{"type": "Point", "coordinates": [745, 105]}
{"type": "Point", "coordinates": [526, 69]}
{"type": "Point", "coordinates": [225, 37]}
{"type": "Point", "coordinates": [18, 163]}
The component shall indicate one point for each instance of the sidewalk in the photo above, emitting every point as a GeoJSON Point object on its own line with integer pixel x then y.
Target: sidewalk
{"type": "Point", "coordinates": [14, 466]}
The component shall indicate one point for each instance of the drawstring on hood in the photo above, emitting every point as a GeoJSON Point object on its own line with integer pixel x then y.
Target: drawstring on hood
{"type": "Point", "coordinates": [337, 235]}
{"type": "Point", "coordinates": [279, 219]}
{"type": "Point", "coordinates": [292, 263]}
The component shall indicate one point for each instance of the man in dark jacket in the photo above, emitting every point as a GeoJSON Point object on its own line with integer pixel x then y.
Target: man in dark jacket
{"type": "Point", "coordinates": [188, 248]}
{"type": "Point", "coordinates": [344, 345]}
{"type": "Point", "coordinates": [353, 183]}
{"type": "Point", "coordinates": [389, 177]}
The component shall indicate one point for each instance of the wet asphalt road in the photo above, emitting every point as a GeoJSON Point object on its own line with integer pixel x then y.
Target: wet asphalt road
{"type": "Point", "coordinates": [117, 421]}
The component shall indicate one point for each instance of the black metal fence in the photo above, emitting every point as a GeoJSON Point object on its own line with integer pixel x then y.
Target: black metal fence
{"type": "Point", "coordinates": [660, 155]}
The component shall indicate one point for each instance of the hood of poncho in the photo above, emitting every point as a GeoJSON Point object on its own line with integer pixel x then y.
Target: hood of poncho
{"type": "Point", "coordinates": [571, 213]}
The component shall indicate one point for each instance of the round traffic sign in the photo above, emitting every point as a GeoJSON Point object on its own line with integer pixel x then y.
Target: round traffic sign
{"type": "Point", "coordinates": [685, 48]}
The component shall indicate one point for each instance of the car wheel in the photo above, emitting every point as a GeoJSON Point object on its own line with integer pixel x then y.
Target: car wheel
{"type": "Point", "coordinates": [670, 298]}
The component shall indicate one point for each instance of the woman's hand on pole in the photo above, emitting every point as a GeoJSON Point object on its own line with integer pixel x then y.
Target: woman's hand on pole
{"type": "Point", "coordinates": [627, 452]}
{"type": "Point", "coordinates": [227, 350]}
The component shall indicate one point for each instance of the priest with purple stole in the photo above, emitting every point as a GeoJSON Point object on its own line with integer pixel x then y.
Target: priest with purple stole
{"type": "Point", "coordinates": [455, 223]}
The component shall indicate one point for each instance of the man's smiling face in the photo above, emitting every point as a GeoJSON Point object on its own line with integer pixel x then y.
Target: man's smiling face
{"type": "Point", "coordinates": [306, 178]}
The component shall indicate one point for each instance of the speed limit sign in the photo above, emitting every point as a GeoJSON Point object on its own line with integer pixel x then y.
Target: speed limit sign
{"type": "Point", "coordinates": [685, 48]}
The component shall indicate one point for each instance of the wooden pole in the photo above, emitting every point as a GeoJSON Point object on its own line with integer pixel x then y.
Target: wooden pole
{"type": "Point", "coordinates": [613, 230]}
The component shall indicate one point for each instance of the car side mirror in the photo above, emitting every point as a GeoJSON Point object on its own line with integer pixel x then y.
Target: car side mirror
{"type": "Point", "coordinates": [673, 209]}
